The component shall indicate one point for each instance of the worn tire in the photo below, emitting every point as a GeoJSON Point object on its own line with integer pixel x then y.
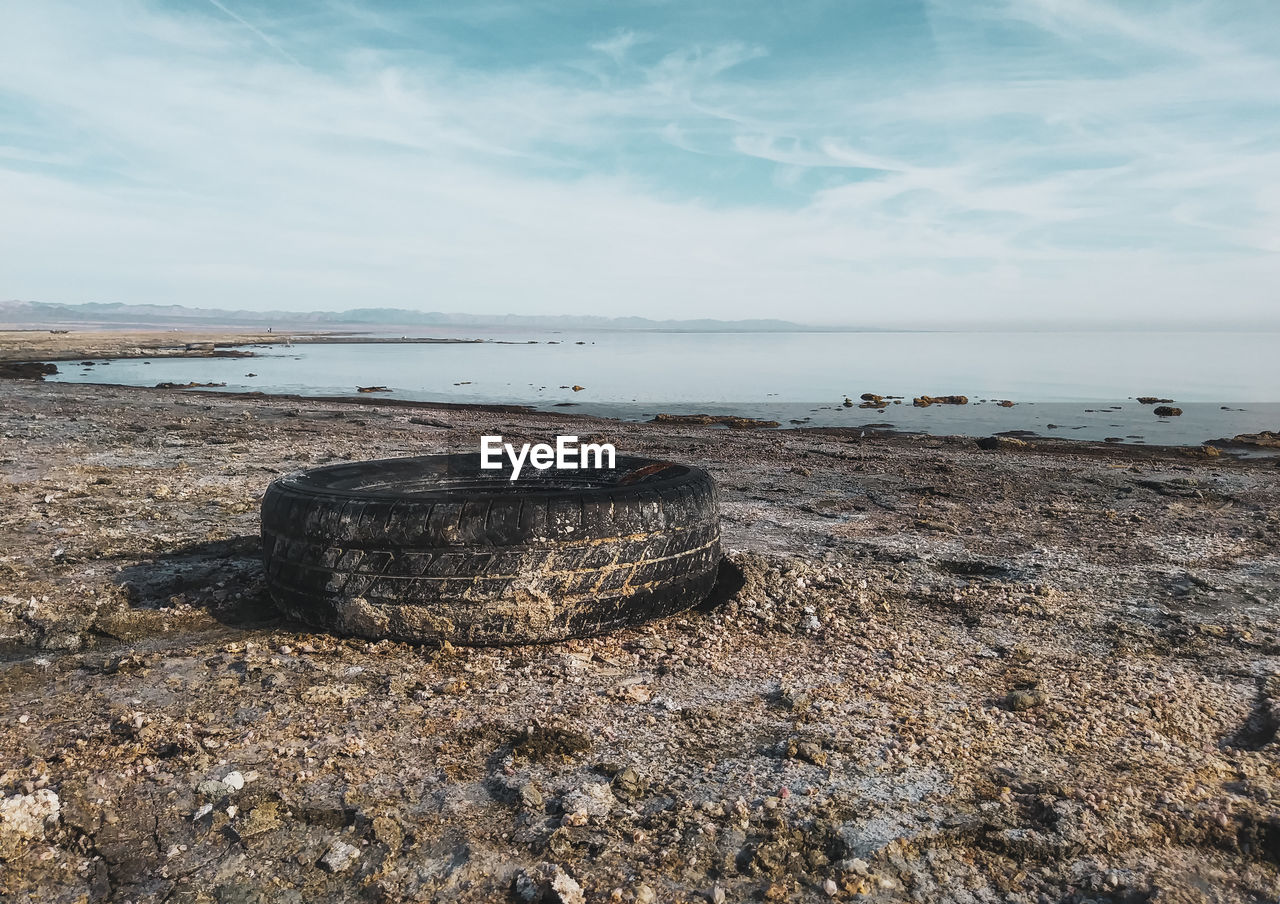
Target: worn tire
{"type": "Point", "coordinates": [433, 548]}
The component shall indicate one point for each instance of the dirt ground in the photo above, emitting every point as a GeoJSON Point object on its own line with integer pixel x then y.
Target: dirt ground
{"type": "Point", "coordinates": [933, 672]}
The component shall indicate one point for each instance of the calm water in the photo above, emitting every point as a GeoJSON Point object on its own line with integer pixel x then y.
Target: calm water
{"type": "Point", "coordinates": [1072, 381]}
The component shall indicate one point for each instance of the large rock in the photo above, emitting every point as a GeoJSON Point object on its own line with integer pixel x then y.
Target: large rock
{"type": "Point", "coordinates": [26, 370]}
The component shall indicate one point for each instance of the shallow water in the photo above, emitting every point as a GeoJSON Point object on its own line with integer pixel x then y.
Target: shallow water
{"type": "Point", "coordinates": [1067, 384]}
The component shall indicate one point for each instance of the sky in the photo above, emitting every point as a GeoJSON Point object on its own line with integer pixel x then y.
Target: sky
{"type": "Point", "coordinates": [853, 162]}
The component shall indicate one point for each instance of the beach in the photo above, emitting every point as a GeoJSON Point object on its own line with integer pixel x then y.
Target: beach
{"type": "Point", "coordinates": [1097, 386]}
{"type": "Point", "coordinates": [1026, 670]}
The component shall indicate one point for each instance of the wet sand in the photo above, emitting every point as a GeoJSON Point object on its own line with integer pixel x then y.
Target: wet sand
{"type": "Point", "coordinates": [936, 672]}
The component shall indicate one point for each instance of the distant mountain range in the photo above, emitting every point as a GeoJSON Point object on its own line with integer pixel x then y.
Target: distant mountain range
{"type": "Point", "coordinates": [38, 313]}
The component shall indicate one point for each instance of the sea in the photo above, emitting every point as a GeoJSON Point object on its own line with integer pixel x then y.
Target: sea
{"type": "Point", "coordinates": [1082, 385]}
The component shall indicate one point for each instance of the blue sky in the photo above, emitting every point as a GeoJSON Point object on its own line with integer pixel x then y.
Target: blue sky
{"type": "Point", "coordinates": [857, 162]}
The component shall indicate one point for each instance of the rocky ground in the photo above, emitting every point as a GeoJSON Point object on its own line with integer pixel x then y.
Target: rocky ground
{"type": "Point", "coordinates": [935, 672]}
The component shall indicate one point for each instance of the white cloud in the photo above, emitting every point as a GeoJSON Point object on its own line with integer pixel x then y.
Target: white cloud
{"type": "Point", "coordinates": [619, 44]}
{"type": "Point", "coordinates": [261, 35]}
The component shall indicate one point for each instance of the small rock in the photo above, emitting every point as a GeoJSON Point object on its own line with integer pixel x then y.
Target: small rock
{"type": "Point", "coordinates": [717, 894]}
{"type": "Point", "coordinates": [547, 883]}
{"type": "Point", "coordinates": [1025, 698]}
{"type": "Point", "coordinates": [632, 693]}
{"type": "Point", "coordinates": [262, 818]}
{"type": "Point", "coordinates": [233, 780]}
{"type": "Point", "coordinates": [592, 799]}
{"type": "Point", "coordinates": [531, 798]}
{"type": "Point", "coordinates": [388, 831]}
{"type": "Point", "coordinates": [808, 751]}
{"type": "Point", "coordinates": [339, 857]}
{"type": "Point", "coordinates": [629, 784]}
{"type": "Point", "coordinates": [213, 788]}
{"type": "Point", "coordinates": [645, 895]}
{"type": "Point", "coordinates": [795, 699]}
{"type": "Point", "coordinates": [855, 865]}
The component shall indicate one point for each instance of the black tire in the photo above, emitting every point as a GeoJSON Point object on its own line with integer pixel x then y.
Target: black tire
{"type": "Point", "coordinates": [433, 548]}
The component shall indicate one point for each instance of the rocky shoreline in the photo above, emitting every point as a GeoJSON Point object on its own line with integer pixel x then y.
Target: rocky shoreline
{"type": "Point", "coordinates": [29, 347]}
{"type": "Point", "coordinates": [35, 354]}
{"type": "Point", "coordinates": [1040, 671]}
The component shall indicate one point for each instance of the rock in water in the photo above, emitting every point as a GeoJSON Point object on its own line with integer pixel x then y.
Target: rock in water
{"type": "Point", "coordinates": [24, 370]}
{"type": "Point", "coordinates": [926, 401]}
